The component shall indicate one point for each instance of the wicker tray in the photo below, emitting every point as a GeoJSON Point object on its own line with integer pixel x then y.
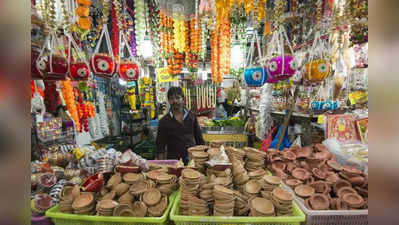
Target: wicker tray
{"type": "Point", "coordinates": [222, 220]}
{"type": "Point", "coordinates": [72, 219]}
{"type": "Point", "coordinates": [331, 217]}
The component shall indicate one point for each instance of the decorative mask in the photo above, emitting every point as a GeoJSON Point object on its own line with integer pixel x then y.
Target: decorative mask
{"type": "Point", "coordinates": [317, 70]}
{"type": "Point", "coordinates": [281, 68]}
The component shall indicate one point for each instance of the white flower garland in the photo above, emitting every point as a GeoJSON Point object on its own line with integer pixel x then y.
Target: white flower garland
{"type": "Point", "coordinates": [264, 116]}
{"type": "Point", "coordinates": [103, 115]}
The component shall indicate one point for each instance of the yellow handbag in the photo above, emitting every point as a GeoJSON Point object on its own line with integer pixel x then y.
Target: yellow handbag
{"type": "Point", "coordinates": [318, 67]}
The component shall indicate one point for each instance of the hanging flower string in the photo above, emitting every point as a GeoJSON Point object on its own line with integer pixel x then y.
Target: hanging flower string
{"type": "Point", "coordinates": [69, 97]}
{"type": "Point", "coordinates": [154, 20]}
{"type": "Point", "coordinates": [139, 7]}
{"type": "Point", "coordinates": [115, 29]}
{"type": "Point", "coordinates": [131, 27]}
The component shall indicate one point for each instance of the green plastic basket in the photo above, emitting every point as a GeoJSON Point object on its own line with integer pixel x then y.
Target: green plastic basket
{"type": "Point", "coordinates": [60, 218]}
{"type": "Point", "coordinates": [296, 219]}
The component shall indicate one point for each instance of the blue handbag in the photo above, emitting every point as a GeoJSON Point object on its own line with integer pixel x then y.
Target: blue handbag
{"type": "Point", "coordinates": [255, 76]}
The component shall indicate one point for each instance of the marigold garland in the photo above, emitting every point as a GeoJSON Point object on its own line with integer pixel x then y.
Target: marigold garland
{"type": "Point", "coordinates": [69, 97]}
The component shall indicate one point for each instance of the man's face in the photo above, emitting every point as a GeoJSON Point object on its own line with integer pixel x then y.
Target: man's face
{"type": "Point", "coordinates": [176, 102]}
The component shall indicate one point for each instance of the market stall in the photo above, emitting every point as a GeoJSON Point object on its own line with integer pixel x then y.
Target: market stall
{"type": "Point", "coordinates": [270, 121]}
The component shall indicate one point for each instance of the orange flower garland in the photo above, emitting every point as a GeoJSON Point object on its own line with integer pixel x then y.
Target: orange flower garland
{"type": "Point", "coordinates": [69, 97]}
{"type": "Point", "coordinates": [83, 14]}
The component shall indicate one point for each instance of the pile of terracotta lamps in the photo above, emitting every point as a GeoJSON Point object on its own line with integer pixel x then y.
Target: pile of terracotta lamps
{"type": "Point", "coordinates": [128, 194]}
{"type": "Point", "coordinates": [315, 176]}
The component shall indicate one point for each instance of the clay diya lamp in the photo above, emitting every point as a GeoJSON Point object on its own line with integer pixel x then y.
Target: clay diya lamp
{"type": "Point", "coordinates": [340, 184]}
{"type": "Point", "coordinates": [319, 173]}
{"type": "Point", "coordinates": [304, 191]}
{"type": "Point", "coordinates": [324, 155]}
{"type": "Point", "coordinates": [128, 70]}
{"type": "Point", "coordinates": [332, 178]}
{"type": "Point", "coordinates": [281, 174]}
{"type": "Point", "coordinates": [321, 187]}
{"type": "Point", "coordinates": [121, 189]}
{"type": "Point", "coordinates": [357, 181]}
{"type": "Point", "coordinates": [333, 203]}
{"type": "Point", "coordinates": [350, 170]}
{"type": "Point", "coordinates": [304, 165]}
{"type": "Point", "coordinates": [282, 194]}
{"type": "Point", "coordinates": [290, 166]}
{"type": "Point", "coordinates": [293, 182]}
{"type": "Point", "coordinates": [79, 71]}
{"type": "Point", "coordinates": [262, 206]}
{"type": "Point", "coordinates": [114, 180]}
{"type": "Point", "coordinates": [307, 204]}
{"type": "Point", "coordinates": [252, 187]}
{"type": "Point", "coordinates": [320, 147]}
{"type": "Point", "coordinates": [341, 205]}
{"type": "Point", "coordinates": [288, 155]}
{"type": "Point", "coordinates": [345, 190]}
{"type": "Point", "coordinates": [313, 162]}
{"type": "Point", "coordinates": [275, 158]}
{"type": "Point", "coordinates": [151, 197]}
{"type": "Point", "coordinates": [319, 202]}
{"type": "Point", "coordinates": [353, 200]}
{"type": "Point", "coordinates": [102, 64]}
{"type": "Point", "coordinates": [278, 165]}
{"type": "Point", "coordinates": [140, 209]}
{"type": "Point", "coordinates": [304, 152]}
{"type": "Point", "coordinates": [362, 191]}
{"type": "Point", "coordinates": [93, 183]}
{"type": "Point", "coordinates": [300, 174]}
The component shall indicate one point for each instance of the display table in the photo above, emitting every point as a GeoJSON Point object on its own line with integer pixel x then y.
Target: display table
{"type": "Point", "coordinates": [234, 140]}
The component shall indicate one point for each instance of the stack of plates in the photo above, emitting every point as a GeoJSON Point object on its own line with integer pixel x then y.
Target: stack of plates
{"type": "Point", "coordinates": [109, 195]}
{"type": "Point", "coordinates": [269, 184]}
{"type": "Point", "coordinates": [199, 159]}
{"type": "Point", "coordinates": [239, 173]}
{"type": "Point", "coordinates": [159, 208]}
{"type": "Point", "coordinates": [132, 178]}
{"type": "Point", "coordinates": [236, 153]}
{"type": "Point", "coordinates": [106, 207]}
{"type": "Point", "coordinates": [241, 205]}
{"type": "Point", "coordinates": [252, 188]}
{"type": "Point", "coordinates": [84, 204]}
{"type": "Point", "coordinates": [257, 174]}
{"type": "Point", "coordinates": [198, 148]}
{"type": "Point", "coordinates": [224, 181]}
{"type": "Point", "coordinates": [139, 209]}
{"type": "Point", "coordinates": [261, 207]}
{"type": "Point", "coordinates": [138, 188]}
{"type": "Point", "coordinates": [198, 207]}
{"type": "Point", "coordinates": [66, 199]}
{"type": "Point", "coordinates": [151, 197]}
{"type": "Point", "coordinates": [255, 159]}
{"type": "Point", "coordinates": [189, 182]}
{"type": "Point", "coordinates": [224, 201]}
{"type": "Point", "coordinates": [282, 201]}
{"type": "Point", "coordinates": [123, 210]}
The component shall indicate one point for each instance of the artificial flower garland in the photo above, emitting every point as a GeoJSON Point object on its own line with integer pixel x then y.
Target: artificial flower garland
{"type": "Point", "coordinates": [69, 98]}
{"type": "Point", "coordinates": [83, 11]}
{"type": "Point", "coordinates": [139, 8]}
{"type": "Point", "coordinates": [179, 32]}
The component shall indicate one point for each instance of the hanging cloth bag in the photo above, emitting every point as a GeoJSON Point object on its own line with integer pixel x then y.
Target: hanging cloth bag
{"type": "Point", "coordinates": [103, 64]}
{"type": "Point", "coordinates": [52, 63]}
{"type": "Point", "coordinates": [254, 76]}
{"type": "Point", "coordinates": [79, 68]}
{"type": "Point", "coordinates": [318, 67]}
{"type": "Point", "coordinates": [280, 66]}
{"type": "Point", "coordinates": [128, 69]}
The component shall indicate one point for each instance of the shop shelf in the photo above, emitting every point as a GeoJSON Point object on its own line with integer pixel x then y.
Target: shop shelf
{"type": "Point", "coordinates": [60, 218]}
{"type": "Point", "coordinates": [331, 217]}
{"type": "Point", "coordinates": [296, 219]}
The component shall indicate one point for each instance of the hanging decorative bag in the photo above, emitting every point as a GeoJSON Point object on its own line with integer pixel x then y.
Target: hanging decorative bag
{"type": "Point", "coordinates": [254, 76]}
{"type": "Point", "coordinates": [78, 69]}
{"type": "Point", "coordinates": [318, 67]}
{"type": "Point", "coordinates": [103, 64]}
{"type": "Point", "coordinates": [128, 69]}
{"type": "Point", "coordinates": [280, 66]}
{"type": "Point", "coordinates": [52, 65]}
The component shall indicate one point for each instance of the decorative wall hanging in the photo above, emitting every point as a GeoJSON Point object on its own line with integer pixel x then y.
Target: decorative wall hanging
{"type": "Point", "coordinates": [128, 68]}
{"type": "Point", "coordinates": [103, 64]}
{"type": "Point", "coordinates": [318, 67]}
{"type": "Point", "coordinates": [78, 67]}
{"type": "Point", "coordinates": [280, 65]}
{"type": "Point", "coordinates": [254, 76]}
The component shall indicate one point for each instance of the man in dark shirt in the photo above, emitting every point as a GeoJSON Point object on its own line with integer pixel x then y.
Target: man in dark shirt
{"type": "Point", "coordinates": [178, 129]}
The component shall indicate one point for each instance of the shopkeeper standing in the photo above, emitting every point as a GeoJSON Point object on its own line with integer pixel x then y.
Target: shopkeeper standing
{"type": "Point", "coordinates": [178, 129]}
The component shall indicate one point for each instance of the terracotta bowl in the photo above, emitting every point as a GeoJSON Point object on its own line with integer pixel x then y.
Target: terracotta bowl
{"type": "Point", "coordinates": [274, 180]}
{"type": "Point", "coordinates": [304, 191]}
{"type": "Point", "coordinates": [304, 152]}
{"type": "Point", "coordinates": [289, 155]}
{"type": "Point", "coordinates": [151, 197]}
{"type": "Point", "coordinates": [340, 184]}
{"type": "Point", "coordinates": [282, 194]}
{"type": "Point", "coordinates": [300, 174]}
{"type": "Point", "coordinates": [334, 165]}
{"type": "Point", "coordinates": [351, 170]}
{"type": "Point", "coordinates": [357, 181]}
{"type": "Point", "coordinates": [319, 173]}
{"type": "Point", "coordinates": [345, 190]}
{"type": "Point", "coordinates": [293, 182]}
{"type": "Point", "coordinates": [313, 162]}
{"type": "Point", "coordinates": [332, 178]}
{"type": "Point", "coordinates": [85, 199]}
{"type": "Point", "coordinates": [321, 187]}
{"type": "Point", "coordinates": [319, 202]}
{"type": "Point", "coordinates": [353, 200]}
{"type": "Point", "coordinates": [262, 205]}
{"type": "Point", "coordinates": [290, 166]}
